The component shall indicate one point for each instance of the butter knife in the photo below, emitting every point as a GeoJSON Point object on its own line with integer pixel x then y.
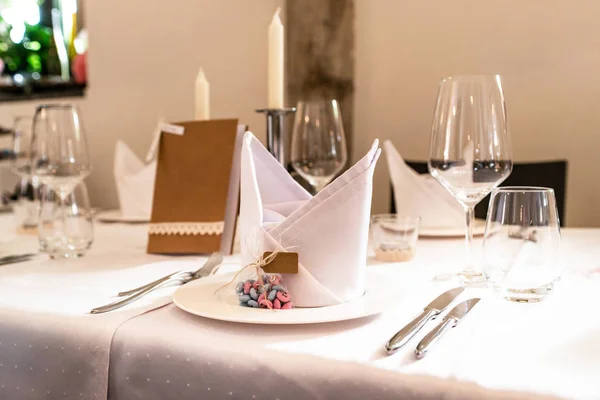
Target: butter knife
{"type": "Point", "coordinates": [449, 321]}
{"type": "Point", "coordinates": [429, 312]}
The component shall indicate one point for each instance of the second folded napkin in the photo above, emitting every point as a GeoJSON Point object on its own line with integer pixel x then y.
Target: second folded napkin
{"type": "Point", "coordinates": [135, 182]}
{"type": "Point", "coordinates": [421, 195]}
{"type": "Point", "coordinates": [328, 231]}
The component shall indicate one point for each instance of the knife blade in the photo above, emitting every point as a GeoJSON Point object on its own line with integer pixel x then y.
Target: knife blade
{"type": "Point", "coordinates": [429, 312]}
{"type": "Point", "coordinates": [15, 258]}
{"type": "Point", "coordinates": [449, 321]}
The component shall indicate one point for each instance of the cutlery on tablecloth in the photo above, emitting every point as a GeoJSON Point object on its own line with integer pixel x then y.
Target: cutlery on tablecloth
{"type": "Point", "coordinates": [449, 321]}
{"type": "Point", "coordinates": [431, 311]}
{"type": "Point", "coordinates": [15, 258]}
{"type": "Point", "coordinates": [210, 267]}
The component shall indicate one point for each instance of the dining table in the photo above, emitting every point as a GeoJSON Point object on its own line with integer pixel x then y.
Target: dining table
{"type": "Point", "coordinates": [51, 347]}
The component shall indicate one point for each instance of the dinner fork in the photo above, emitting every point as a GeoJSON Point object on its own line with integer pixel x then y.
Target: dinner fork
{"type": "Point", "coordinates": [210, 267]}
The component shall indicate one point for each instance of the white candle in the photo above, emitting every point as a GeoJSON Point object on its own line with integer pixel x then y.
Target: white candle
{"type": "Point", "coordinates": [276, 62]}
{"type": "Point", "coordinates": [202, 96]}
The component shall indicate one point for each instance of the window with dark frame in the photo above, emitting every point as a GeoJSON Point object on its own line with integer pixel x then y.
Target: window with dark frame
{"type": "Point", "coordinates": [43, 49]}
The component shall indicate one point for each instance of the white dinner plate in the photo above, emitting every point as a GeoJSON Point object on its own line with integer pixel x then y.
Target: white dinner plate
{"type": "Point", "coordinates": [116, 216]}
{"type": "Point", "coordinates": [452, 231]}
{"type": "Point", "coordinates": [198, 298]}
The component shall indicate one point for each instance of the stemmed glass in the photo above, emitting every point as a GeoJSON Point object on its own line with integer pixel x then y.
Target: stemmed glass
{"type": "Point", "coordinates": [26, 206]}
{"type": "Point", "coordinates": [318, 142]}
{"type": "Point", "coordinates": [59, 155]}
{"type": "Point", "coordinates": [470, 150]}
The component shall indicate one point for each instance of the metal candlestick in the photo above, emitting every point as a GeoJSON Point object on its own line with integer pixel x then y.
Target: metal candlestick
{"type": "Point", "coordinates": [276, 131]}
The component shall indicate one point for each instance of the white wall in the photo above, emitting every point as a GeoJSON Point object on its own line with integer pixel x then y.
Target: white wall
{"type": "Point", "coordinates": [547, 51]}
{"type": "Point", "coordinates": [143, 60]}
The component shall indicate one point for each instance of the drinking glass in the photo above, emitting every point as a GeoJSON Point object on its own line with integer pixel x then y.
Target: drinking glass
{"type": "Point", "coordinates": [59, 155]}
{"type": "Point", "coordinates": [26, 196]}
{"type": "Point", "coordinates": [66, 229]}
{"type": "Point", "coordinates": [394, 236]}
{"type": "Point", "coordinates": [318, 142]}
{"type": "Point", "coordinates": [470, 150]}
{"type": "Point", "coordinates": [522, 255]}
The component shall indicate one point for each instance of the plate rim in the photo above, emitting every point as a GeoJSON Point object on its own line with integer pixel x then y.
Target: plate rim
{"type": "Point", "coordinates": [337, 317]}
{"type": "Point", "coordinates": [478, 230]}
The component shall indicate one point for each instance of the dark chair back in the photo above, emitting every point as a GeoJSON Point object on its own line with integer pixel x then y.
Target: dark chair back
{"type": "Point", "coordinates": [552, 174]}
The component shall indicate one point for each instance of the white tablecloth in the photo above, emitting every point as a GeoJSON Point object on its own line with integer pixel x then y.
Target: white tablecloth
{"type": "Point", "coordinates": [502, 350]}
{"type": "Point", "coordinates": [50, 345]}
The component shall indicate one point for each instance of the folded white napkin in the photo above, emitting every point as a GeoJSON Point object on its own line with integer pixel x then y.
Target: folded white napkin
{"type": "Point", "coordinates": [328, 231]}
{"type": "Point", "coordinates": [135, 182]}
{"type": "Point", "coordinates": [421, 195]}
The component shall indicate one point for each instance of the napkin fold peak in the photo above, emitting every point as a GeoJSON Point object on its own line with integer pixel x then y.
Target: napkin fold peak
{"type": "Point", "coordinates": [135, 182]}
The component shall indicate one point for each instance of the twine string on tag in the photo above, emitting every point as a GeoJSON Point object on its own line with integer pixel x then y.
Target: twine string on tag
{"type": "Point", "coordinates": [257, 265]}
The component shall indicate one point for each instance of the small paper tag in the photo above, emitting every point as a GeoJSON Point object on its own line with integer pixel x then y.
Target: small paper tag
{"type": "Point", "coordinates": [284, 263]}
{"type": "Point", "coordinates": [174, 129]}
{"type": "Point", "coordinates": [161, 127]}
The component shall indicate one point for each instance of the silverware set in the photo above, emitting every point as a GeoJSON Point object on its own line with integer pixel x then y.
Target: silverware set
{"type": "Point", "coordinates": [432, 311]}
{"type": "Point", "coordinates": [210, 267]}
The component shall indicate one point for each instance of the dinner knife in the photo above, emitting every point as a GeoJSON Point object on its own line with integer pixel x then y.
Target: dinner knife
{"type": "Point", "coordinates": [449, 321]}
{"type": "Point", "coordinates": [429, 312]}
{"type": "Point", "coordinates": [16, 258]}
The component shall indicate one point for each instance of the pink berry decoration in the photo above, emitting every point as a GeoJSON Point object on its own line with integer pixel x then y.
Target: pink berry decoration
{"type": "Point", "coordinates": [265, 304]}
{"type": "Point", "coordinates": [247, 287]}
{"type": "Point", "coordinates": [283, 297]}
{"type": "Point", "coordinates": [274, 279]}
{"type": "Point", "coordinates": [263, 296]}
{"type": "Point", "coordinates": [277, 304]}
{"type": "Point", "coordinates": [287, 306]}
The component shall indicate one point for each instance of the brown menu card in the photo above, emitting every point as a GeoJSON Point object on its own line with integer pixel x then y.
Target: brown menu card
{"type": "Point", "coordinates": [196, 191]}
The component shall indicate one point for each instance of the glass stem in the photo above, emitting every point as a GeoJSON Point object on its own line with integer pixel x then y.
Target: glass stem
{"type": "Point", "coordinates": [63, 212]}
{"type": "Point", "coordinates": [469, 263]}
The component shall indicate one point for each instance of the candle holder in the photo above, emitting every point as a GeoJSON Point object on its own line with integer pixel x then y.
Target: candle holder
{"type": "Point", "coordinates": [276, 131]}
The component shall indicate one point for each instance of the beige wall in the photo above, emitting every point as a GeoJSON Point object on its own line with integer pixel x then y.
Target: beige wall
{"type": "Point", "coordinates": [144, 56]}
{"type": "Point", "coordinates": [547, 51]}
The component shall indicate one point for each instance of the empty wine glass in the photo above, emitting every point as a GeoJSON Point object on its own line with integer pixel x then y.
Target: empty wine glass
{"type": "Point", "coordinates": [318, 142]}
{"type": "Point", "coordinates": [59, 155]}
{"type": "Point", "coordinates": [470, 150]}
{"type": "Point", "coordinates": [522, 255]}
{"type": "Point", "coordinates": [26, 195]}
{"type": "Point", "coordinates": [22, 132]}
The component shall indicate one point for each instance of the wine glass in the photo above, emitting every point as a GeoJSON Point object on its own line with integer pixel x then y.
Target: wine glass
{"type": "Point", "coordinates": [60, 161]}
{"type": "Point", "coordinates": [318, 142]}
{"type": "Point", "coordinates": [22, 132]}
{"type": "Point", "coordinates": [470, 150]}
{"type": "Point", "coordinates": [59, 155]}
{"type": "Point", "coordinates": [26, 196]}
{"type": "Point", "coordinates": [522, 254]}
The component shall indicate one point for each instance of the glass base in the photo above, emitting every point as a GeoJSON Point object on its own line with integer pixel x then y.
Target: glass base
{"type": "Point", "coordinates": [528, 295]}
{"type": "Point", "coordinates": [472, 279]}
{"type": "Point", "coordinates": [58, 255]}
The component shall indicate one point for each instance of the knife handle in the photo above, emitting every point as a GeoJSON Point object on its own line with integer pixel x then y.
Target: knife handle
{"type": "Point", "coordinates": [432, 337]}
{"type": "Point", "coordinates": [406, 333]}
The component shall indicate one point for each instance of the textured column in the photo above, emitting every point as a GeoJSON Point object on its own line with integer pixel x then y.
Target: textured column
{"type": "Point", "coordinates": [320, 54]}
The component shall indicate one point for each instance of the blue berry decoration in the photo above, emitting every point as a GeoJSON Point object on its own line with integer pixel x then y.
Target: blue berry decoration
{"type": "Point", "coordinates": [268, 292]}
